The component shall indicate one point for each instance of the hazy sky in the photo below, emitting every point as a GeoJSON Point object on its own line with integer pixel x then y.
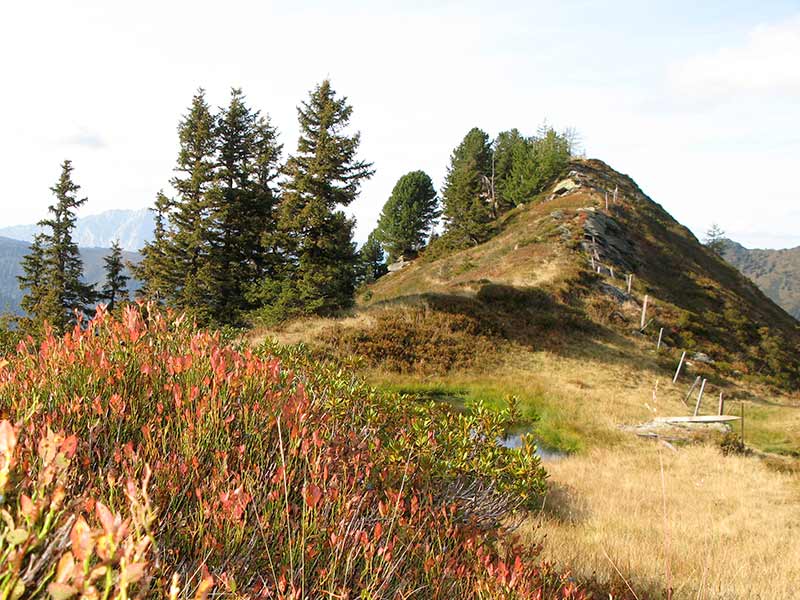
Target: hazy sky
{"type": "Point", "coordinates": [698, 101]}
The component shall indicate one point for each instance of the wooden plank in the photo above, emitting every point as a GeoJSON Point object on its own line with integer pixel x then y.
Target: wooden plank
{"type": "Point", "coordinates": [699, 419]}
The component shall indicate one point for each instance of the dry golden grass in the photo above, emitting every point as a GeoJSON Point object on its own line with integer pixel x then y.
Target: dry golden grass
{"type": "Point", "coordinates": [306, 329]}
{"type": "Point", "coordinates": [725, 527]}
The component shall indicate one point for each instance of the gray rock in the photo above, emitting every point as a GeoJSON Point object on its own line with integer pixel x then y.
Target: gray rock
{"type": "Point", "coordinates": [398, 266]}
{"type": "Point", "coordinates": [702, 357]}
{"type": "Point", "coordinates": [565, 186]}
{"type": "Point", "coordinates": [615, 293]}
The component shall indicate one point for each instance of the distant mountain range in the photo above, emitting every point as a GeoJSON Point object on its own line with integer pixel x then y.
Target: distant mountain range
{"type": "Point", "coordinates": [132, 228]}
{"type": "Point", "coordinates": [776, 272]}
{"type": "Point", "coordinates": [12, 252]}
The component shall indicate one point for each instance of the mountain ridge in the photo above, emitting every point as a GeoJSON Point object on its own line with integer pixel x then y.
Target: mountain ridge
{"type": "Point", "coordinates": [776, 272]}
{"type": "Point", "coordinates": [132, 228]}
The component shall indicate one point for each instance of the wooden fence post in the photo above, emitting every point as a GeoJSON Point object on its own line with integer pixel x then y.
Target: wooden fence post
{"type": "Point", "coordinates": [660, 335]}
{"type": "Point", "coordinates": [742, 407]}
{"type": "Point", "coordinates": [721, 404]}
{"type": "Point", "coordinates": [680, 364]}
{"type": "Point", "coordinates": [644, 311]}
{"type": "Point", "coordinates": [699, 397]}
{"type": "Point", "coordinates": [630, 282]}
{"type": "Point", "coordinates": [691, 389]}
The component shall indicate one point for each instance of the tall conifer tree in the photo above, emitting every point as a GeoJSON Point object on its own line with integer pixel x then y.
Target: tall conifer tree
{"type": "Point", "coordinates": [467, 211]}
{"type": "Point", "coordinates": [53, 270]}
{"type": "Point", "coordinates": [215, 238]}
{"type": "Point", "coordinates": [186, 246]}
{"type": "Point", "coordinates": [243, 206]}
{"type": "Point", "coordinates": [323, 175]}
{"type": "Point", "coordinates": [506, 147]}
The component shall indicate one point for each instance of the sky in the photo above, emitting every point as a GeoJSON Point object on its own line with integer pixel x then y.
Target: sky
{"type": "Point", "coordinates": [699, 102]}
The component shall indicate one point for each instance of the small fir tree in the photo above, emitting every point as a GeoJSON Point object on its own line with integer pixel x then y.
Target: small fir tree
{"type": "Point", "coordinates": [715, 239]}
{"type": "Point", "coordinates": [116, 284]}
{"type": "Point", "coordinates": [372, 260]}
{"type": "Point", "coordinates": [154, 270]}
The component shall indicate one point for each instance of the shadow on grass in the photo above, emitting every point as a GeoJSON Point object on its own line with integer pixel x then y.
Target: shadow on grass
{"type": "Point", "coordinates": [529, 317]}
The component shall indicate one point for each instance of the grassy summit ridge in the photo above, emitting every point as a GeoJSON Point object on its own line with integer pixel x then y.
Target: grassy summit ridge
{"type": "Point", "coordinates": [539, 271]}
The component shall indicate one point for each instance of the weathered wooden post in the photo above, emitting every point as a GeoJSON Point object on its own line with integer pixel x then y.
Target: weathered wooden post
{"type": "Point", "coordinates": [612, 272]}
{"type": "Point", "coordinates": [691, 389]}
{"type": "Point", "coordinates": [606, 200]}
{"type": "Point", "coordinates": [742, 419]}
{"type": "Point", "coordinates": [699, 397]}
{"type": "Point", "coordinates": [630, 282]}
{"type": "Point", "coordinates": [644, 311]}
{"type": "Point", "coordinates": [660, 335]}
{"type": "Point", "coordinates": [616, 189]}
{"type": "Point", "coordinates": [680, 364]}
{"type": "Point", "coordinates": [721, 404]}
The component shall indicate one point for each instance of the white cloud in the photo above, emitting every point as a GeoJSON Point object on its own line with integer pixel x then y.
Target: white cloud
{"type": "Point", "coordinates": [85, 138]}
{"type": "Point", "coordinates": [766, 63]}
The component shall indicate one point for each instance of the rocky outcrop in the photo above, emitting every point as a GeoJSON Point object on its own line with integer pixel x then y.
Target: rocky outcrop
{"type": "Point", "coordinates": [605, 240]}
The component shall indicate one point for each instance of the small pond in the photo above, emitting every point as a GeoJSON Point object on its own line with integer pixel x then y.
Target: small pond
{"type": "Point", "coordinates": [513, 438]}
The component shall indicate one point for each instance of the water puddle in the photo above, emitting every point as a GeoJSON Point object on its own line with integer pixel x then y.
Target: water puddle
{"type": "Point", "coordinates": [513, 440]}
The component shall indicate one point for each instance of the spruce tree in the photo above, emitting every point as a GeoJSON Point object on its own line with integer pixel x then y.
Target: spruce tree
{"type": "Point", "coordinates": [216, 237]}
{"type": "Point", "coordinates": [372, 262]}
{"type": "Point", "coordinates": [536, 162]}
{"type": "Point", "coordinates": [243, 206]}
{"type": "Point", "coordinates": [116, 284]}
{"type": "Point", "coordinates": [507, 145]}
{"type": "Point", "coordinates": [524, 179]}
{"type": "Point", "coordinates": [467, 212]}
{"type": "Point", "coordinates": [553, 151]}
{"type": "Point", "coordinates": [186, 247]}
{"type": "Point", "coordinates": [408, 215]}
{"type": "Point", "coordinates": [322, 176]}
{"type": "Point", "coordinates": [53, 269]}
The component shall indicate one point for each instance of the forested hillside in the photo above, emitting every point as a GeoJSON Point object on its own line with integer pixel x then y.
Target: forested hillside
{"type": "Point", "coordinates": [13, 251]}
